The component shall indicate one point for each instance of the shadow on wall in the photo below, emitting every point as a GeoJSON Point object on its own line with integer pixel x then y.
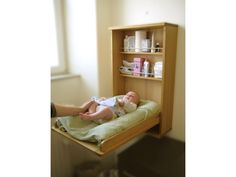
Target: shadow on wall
{"type": "Point", "coordinates": [71, 159]}
{"type": "Point", "coordinates": [70, 91]}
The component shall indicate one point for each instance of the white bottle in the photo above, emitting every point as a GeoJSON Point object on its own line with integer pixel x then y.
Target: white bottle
{"type": "Point", "coordinates": [146, 68]}
{"type": "Point", "coordinates": [126, 41]}
{"type": "Point", "coordinates": [153, 41]}
{"type": "Point", "coordinates": [158, 70]}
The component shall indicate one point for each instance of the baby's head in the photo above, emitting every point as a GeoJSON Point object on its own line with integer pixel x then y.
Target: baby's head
{"type": "Point", "coordinates": [132, 96]}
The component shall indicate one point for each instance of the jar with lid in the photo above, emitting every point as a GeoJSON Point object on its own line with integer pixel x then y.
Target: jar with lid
{"type": "Point", "coordinates": [158, 47]}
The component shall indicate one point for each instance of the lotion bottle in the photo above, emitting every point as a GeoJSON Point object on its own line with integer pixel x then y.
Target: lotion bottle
{"type": "Point", "coordinates": [126, 47]}
{"type": "Point", "coordinates": [153, 44]}
{"type": "Point", "coordinates": [146, 68]}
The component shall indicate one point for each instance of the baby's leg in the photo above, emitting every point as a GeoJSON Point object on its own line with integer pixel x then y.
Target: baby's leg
{"type": "Point", "coordinates": [105, 113]}
{"type": "Point", "coordinates": [66, 110]}
{"type": "Point", "coordinates": [92, 108]}
{"type": "Point", "coordinates": [84, 107]}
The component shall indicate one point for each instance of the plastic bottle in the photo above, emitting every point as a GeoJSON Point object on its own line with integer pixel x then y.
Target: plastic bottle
{"type": "Point", "coordinates": [146, 68]}
{"type": "Point", "coordinates": [158, 70]}
{"type": "Point", "coordinates": [153, 46]}
{"type": "Point", "coordinates": [126, 47]}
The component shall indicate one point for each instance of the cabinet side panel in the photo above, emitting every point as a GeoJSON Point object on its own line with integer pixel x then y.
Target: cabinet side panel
{"type": "Point", "coordinates": [117, 80]}
{"type": "Point", "coordinates": [170, 42]}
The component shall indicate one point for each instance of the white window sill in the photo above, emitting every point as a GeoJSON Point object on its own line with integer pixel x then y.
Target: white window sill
{"type": "Point", "coordinates": [64, 76]}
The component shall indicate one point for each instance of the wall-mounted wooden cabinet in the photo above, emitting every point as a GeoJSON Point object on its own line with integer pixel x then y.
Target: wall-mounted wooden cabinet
{"type": "Point", "coordinates": [160, 90]}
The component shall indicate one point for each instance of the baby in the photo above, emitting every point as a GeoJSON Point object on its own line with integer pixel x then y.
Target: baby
{"type": "Point", "coordinates": [107, 109]}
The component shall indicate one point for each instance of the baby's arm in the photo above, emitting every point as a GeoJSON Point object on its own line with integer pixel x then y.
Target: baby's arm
{"type": "Point", "coordinates": [130, 107]}
{"type": "Point", "coordinates": [121, 102]}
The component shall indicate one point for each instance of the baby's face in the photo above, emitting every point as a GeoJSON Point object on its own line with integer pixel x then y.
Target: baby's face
{"type": "Point", "coordinates": [131, 97]}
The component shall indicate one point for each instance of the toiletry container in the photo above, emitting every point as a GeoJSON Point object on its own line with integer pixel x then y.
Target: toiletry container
{"type": "Point", "coordinates": [158, 47]}
{"type": "Point", "coordinates": [146, 68]}
{"type": "Point", "coordinates": [146, 45]}
{"type": "Point", "coordinates": [139, 36]}
{"type": "Point", "coordinates": [152, 45]}
{"type": "Point", "coordinates": [126, 40]}
{"type": "Point", "coordinates": [131, 43]}
{"type": "Point", "coordinates": [138, 64]}
{"type": "Point", "coordinates": [158, 70]}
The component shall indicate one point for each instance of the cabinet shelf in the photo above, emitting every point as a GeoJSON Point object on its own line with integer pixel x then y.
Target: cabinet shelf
{"type": "Point", "coordinates": [160, 90]}
{"type": "Point", "coordinates": [142, 53]}
{"type": "Point", "coordinates": [141, 77]}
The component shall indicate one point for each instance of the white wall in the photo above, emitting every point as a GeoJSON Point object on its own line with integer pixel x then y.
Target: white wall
{"type": "Point", "coordinates": [93, 63]}
{"type": "Point", "coordinates": [82, 43]}
{"type": "Point", "coordinates": [81, 53]}
{"type": "Point", "coordinates": [104, 47]}
{"type": "Point", "coordinates": [127, 12]}
{"type": "Point", "coordinates": [67, 91]}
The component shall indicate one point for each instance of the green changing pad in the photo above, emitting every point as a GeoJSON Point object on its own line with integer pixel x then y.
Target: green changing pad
{"type": "Point", "coordinates": [94, 132]}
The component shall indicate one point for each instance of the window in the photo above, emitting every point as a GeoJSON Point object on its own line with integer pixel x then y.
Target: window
{"type": "Point", "coordinates": [57, 55]}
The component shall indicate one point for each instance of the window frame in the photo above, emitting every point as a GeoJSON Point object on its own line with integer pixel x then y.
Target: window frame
{"type": "Point", "coordinates": [60, 35]}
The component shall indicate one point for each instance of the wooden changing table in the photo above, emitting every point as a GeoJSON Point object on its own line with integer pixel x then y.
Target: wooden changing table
{"type": "Point", "coordinates": [160, 90]}
{"type": "Point", "coordinates": [115, 141]}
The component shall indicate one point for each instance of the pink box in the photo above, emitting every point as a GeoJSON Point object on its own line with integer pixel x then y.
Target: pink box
{"type": "Point", "coordinates": [138, 64]}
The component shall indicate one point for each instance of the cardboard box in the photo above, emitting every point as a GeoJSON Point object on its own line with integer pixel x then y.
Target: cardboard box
{"type": "Point", "coordinates": [138, 64]}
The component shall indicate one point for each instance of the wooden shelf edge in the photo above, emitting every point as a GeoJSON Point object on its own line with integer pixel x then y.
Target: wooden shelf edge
{"type": "Point", "coordinates": [141, 77]}
{"type": "Point", "coordinates": [91, 146]}
{"type": "Point", "coordinates": [149, 25]}
{"type": "Point", "coordinates": [142, 53]}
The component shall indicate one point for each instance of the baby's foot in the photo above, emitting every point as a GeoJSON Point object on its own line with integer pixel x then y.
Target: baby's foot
{"type": "Point", "coordinates": [86, 105]}
{"type": "Point", "coordinates": [85, 116]}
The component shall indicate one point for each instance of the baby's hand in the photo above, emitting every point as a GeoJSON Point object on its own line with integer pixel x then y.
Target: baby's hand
{"type": "Point", "coordinates": [121, 102]}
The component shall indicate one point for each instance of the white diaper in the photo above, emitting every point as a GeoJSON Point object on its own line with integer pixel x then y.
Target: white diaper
{"type": "Point", "coordinates": [100, 108]}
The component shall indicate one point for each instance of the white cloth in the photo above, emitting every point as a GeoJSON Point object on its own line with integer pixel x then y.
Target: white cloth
{"type": "Point", "coordinates": [113, 104]}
